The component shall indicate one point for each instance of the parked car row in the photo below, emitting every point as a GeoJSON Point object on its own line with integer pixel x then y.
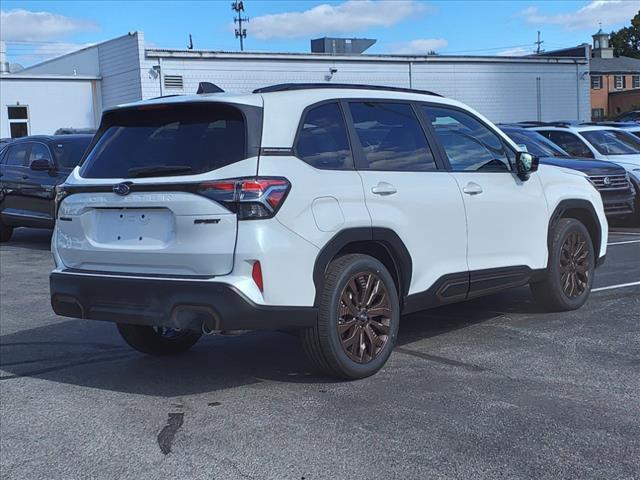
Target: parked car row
{"type": "Point", "coordinates": [30, 170]}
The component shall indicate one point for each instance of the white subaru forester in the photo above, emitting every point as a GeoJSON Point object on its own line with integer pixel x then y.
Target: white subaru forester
{"type": "Point", "coordinates": [327, 209]}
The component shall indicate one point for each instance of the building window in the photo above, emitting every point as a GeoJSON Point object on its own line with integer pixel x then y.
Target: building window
{"type": "Point", "coordinates": [597, 113]}
{"type": "Point", "coordinates": [596, 82]}
{"type": "Point", "coordinates": [619, 82]}
{"type": "Point", "coordinates": [18, 120]}
{"type": "Point", "coordinates": [635, 81]}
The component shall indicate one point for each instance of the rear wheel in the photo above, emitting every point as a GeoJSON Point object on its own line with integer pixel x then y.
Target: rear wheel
{"type": "Point", "coordinates": [569, 274]}
{"type": "Point", "coordinates": [358, 319]}
{"type": "Point", "coordinates": [158, 340]}
{"type": "Point", "coordinates": [5, 232]}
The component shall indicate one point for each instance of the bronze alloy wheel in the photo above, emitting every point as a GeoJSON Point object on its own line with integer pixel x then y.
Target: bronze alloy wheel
{"type": "Point", "coordinates": [364, 317]}
{"type": "Point", "coordinates": [574, 265]}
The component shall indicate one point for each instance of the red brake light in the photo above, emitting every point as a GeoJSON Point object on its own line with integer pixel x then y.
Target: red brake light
{"type": "Point", "coordinates": [251, 198]}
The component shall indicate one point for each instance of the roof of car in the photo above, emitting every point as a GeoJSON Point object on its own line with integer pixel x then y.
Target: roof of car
{"type": "Point", "coordinates": [315, 91]}
{"type": "Point", "coordinates": [52, 138]}
{"type": "Point", "coordinates": [574, 128]}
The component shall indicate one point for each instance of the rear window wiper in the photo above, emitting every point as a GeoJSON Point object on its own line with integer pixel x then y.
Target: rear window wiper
{"type": "Point", "coordinates": [154, 170]}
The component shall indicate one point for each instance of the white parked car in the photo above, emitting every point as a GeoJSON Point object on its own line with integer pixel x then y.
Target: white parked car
{"type": "Point", "coordinates": [327, 209]}
{"type": "Point", "coordinates": [601, 142]}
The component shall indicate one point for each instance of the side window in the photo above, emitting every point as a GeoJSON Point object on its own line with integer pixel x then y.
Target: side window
{"type": "Point", "coordinates": [469, 145]}
{"type": "Point", "coordinates": [323, 141]}
{"type": "Point", "coordinates": [17, 155]}
{"type": "Point", "coordinates": [39, 152]}
{"type": "Point", "coordinates": [391, 137]}
{"type": "Point", "coordinates": [568, 142]}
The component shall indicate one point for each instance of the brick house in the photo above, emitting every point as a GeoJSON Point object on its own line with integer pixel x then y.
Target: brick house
{"type": "Point", "coordinates": [609, 77]}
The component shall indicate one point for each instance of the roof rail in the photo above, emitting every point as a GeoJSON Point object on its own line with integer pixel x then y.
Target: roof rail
{"type": "Point", "coordinates": [545, 124]}
{"type": "Point", "coordinates": [208, 87]}
{"type": "Point", "coordinates": [284, 87]}
{"type": "Point", "coordinates": [611, 123]}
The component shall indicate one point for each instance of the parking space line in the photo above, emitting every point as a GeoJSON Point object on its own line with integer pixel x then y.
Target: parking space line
{"type": "Point", "coordinates": [624, 243]}
{"type": "Point", "coordinates": [636, 234]}
{"type": "Point", "coordinates": [611, 287]}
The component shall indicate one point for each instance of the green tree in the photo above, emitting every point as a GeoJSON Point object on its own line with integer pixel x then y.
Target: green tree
{"type": "Point", "coordinates": [626, 41]}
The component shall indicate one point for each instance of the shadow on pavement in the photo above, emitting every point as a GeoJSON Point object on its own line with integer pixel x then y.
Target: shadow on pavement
{"type": "Point", "coordinates": [30, 239]}
{"type": "Point", "coordinates": [90, 353]}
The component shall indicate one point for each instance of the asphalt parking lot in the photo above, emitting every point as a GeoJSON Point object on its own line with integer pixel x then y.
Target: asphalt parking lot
{"type": "Point", "coordinates": [493, 388]}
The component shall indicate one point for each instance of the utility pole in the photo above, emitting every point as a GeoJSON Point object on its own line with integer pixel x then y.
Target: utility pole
{"type": "Point", "coordinates": [190, 46]}
{"type": "Point", "coordinates": [241, 33]}
{"type": "Point", "coordinates": [538, 43]}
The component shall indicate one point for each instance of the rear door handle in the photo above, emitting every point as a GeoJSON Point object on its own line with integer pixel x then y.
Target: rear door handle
{"type": "Point", "coordinates": [384, 188]}
{"type": "Point", "coordinates": [25, 177]}
{"type": "Point", "coordinates": [472, 188]}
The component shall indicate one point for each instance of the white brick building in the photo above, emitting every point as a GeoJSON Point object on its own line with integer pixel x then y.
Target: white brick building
{"type": "Point", "coordinates": [506, 89]}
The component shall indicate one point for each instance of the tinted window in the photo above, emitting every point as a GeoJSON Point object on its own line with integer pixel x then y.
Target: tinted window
{"type": "Point", "coordinates": [469, 145]}
{"type": "Point", "coordinates": [568, 142]}
{"type": "Point", "coordinates": [68, 153]}
{"type": "Point", "coordinates": [17, 155]}
{"type": "Point", "coordinates": [534, 143]}
{"type": "Point", "coordinates": [39, 152]}
{"type": "Point", "coordinates": [323, 141]}
{"type": "Point", "coordinates": [391, 137]}
{"type": "Point", "coordinates": [167, 140]}
{"type": "Point", "coordinates": [613, 142]}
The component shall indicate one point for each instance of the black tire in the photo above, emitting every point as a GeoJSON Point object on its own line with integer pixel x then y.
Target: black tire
{"type": "Point", "coordinates": [150, 340]}
{"type": "Point", "coordinates": [324, 345]}
{"type": "Point", "coordinates": [568, 279]}
{"type": "Point", "coordinates": [5, 232]}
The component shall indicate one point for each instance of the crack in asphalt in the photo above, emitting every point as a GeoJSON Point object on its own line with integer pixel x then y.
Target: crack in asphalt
{"type": "Point", "coordinates": [68, 365]}
{"type": "Point", "coordinates": [443, 360]}
{"type": "Point", "coordinates": [168, 432]}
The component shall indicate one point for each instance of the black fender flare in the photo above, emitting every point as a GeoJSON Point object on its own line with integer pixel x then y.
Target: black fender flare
{"type": "Point", "coordinates": [385, 237]}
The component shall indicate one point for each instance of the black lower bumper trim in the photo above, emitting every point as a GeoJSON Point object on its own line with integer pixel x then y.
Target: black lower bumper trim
{"type": "Point", "coordinates": [185, 304]}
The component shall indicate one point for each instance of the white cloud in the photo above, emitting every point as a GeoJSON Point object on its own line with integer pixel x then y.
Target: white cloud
{"type": "Point", "coordinates": [344, 18]}
{"type": "Point", "coordinates": [608, 12]}
{"type": "Point", "coordinates": [514, 52]}
{"type": "Point", "coordinates": [26, 26]}
{"type": "Point", "coordinates": [420, 46]}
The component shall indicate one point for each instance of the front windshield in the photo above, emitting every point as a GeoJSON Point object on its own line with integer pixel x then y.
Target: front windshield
{"type": "Point", "coordinates": [535, 143]}
{"type": "Point", "coordinates": [613, 142]}
{"type": "Point", "coordinates": [68, 152]}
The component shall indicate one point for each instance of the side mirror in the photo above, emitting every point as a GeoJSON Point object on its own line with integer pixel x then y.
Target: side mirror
{"type": "Point", "coordinates": [40, 165]}
{"type": "Point", "coordinates": [526, 164]}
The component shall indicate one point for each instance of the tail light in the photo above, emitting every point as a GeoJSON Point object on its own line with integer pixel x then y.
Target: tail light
{"type": "Point", "coordinates": [60, 193]}
{"type": "Point", "coordinates": [249, 198]}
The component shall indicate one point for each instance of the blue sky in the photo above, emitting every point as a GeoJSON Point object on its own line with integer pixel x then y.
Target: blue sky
{"type": "Point", "coordinates": [35, 30]}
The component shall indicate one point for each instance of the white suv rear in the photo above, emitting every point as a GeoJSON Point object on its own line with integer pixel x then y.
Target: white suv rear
{"type": "Point", "coordinates": [327, 209]}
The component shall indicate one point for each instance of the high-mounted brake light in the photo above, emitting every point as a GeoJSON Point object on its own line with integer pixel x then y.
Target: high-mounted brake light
{"type": "Point", "coordinates": [249, 198]}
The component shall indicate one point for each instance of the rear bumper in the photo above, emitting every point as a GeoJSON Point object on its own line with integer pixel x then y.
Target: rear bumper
{"type": "Point", "coordinates": [185, 304]}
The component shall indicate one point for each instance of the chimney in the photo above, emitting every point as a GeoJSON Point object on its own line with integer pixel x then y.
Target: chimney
{"type": "Point", "coordinates": [4, 64]}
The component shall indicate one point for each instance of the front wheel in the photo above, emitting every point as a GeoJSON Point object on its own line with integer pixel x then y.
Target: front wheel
{"type": "Point", "coordinates": [358, 319]}
{"type": "Point", "coordinates": [158, 340]}
{"type": "Point", "coordinates": [569, 275]}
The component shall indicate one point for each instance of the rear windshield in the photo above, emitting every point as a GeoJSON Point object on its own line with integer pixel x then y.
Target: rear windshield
{"type": "Point", "coordinates": [172, 139]}
{"type": "Point", "coordinates": [613, 142]}
{"type": "Point", "coordinates": [68, 153]}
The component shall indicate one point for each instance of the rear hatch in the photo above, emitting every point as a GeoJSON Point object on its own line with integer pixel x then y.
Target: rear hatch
{"type": "Point", "coordinates": [141, 202]}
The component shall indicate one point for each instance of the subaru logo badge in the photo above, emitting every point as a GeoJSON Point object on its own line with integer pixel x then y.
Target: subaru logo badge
{"type": "Point", "coordinates": [121, 189]}
{"type": "Point", "coordinates": [606, 181]}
